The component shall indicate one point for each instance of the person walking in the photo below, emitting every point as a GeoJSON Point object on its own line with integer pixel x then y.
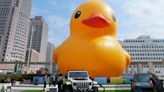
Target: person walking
{"type": "Point", "coordinates": [52, 80]}
{"type": "Point", "coordinates": [157, 84]}
{"type": "Point", "coordinates": [45, 81]}
{"type": "Point", "coordinates": [60, 82]}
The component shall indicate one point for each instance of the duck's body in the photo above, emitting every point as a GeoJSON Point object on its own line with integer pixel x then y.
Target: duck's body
{"type": "Point", "coordinates": [92, 44]}
{"type": "Point", "coordinates": [97, 56]}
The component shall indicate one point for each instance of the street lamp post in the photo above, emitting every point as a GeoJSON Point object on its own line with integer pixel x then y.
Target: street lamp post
{"type": "Point", "coordinates": [29, 53]}
{"type": "Point", "coordinates": [35, 66]}
{"type": "Point", "coordinates": [52, 48]}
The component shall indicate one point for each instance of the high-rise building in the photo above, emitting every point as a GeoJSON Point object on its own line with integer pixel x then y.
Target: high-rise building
{"type": "Point", "coordinates": [49, 59]}
{"type": "Point", "coordinates": [38, 37]}
{"type": "Point", "coordinates": [147, 55]}
{"type": "Point", "coordinates": [32, 55]}
{"type": "Point", "coordinates": [14, 29]}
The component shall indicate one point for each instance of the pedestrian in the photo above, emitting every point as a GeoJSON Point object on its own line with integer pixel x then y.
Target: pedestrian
{"type": "Point", "coordinates": [45, 81]}
{"type": "Point", "coordinates": [52, 80]}
{"type": "Point", "coordinates": [157, 84]}
{"type": "Point", "coordinates": [60, 82]}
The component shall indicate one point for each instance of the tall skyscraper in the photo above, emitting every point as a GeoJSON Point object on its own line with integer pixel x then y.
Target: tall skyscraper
{"type": "Point", "coordinates": [14, 29]}
{"type": "Point", "coordinates": [50, 49]}
{"type": "Point", "coordinates": [38, 37]}
{"type": "Point", "coordinates": [147, 55]}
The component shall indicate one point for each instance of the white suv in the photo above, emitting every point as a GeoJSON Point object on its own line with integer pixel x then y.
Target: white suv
{"type": "Point", "coordinates": [80, 81]}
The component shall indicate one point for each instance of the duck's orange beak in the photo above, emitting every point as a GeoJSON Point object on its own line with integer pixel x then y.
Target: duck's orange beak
{"type": "Point", "coordinates": [96, 21]}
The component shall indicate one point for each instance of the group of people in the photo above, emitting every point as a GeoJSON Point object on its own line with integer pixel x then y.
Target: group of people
{"type": "Point", "coordinates": [53, 80]}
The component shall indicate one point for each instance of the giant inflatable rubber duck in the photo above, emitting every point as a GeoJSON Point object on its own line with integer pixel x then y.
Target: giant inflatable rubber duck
{"type": "Point", "coordinates": [92, 44]}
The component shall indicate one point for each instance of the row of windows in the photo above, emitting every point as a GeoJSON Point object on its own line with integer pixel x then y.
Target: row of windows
{"type": "Point", "coordinates": [146, 58]}
{"type": "Point", "coordinates": [20, 40]}
{"type": "Point", "coordinates": [4, 2]}
{"type": "Point", "coordinates": [157, 72]}
{"type": "Point", "coordinates": [147, 54]}
{"type": "Point", "coordinates": [3, 20]}
{"type": "Point", "coordinates": [18, 50]}
{"type": "Point", "coordinates": [3, 24]}
{"type": "Point", "coordinates": [18, 43]}
{"type": "Point", "coordinates": [159, 66]}
{"type": "Point", "coordinates": [16, 54]}
{"type": "Point", "coordinates": [146, 66]}
{"type": "Point", "coordinates": [134, 41]}
{"type": "Point", "coordinates": [4, 10]}
{"type": "Point", "coordinates": [145, 50]}
{"type": "Point", "coordinates": [158, 40]}
{"type": "Point", "coordinates": [17, 57]}
{"type": "Point", "coordinates": [140, 41]}
{"type": "Point", "coordinates": [143, 46]}
{"type": "Point", "coordinates": [20, 47]}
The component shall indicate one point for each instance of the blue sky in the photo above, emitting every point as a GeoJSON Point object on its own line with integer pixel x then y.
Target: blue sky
{"type": "Point", "coordinates": [134, 17]}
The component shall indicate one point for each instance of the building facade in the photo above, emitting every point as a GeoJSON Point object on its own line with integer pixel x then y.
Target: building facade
{"type": "Point", "coordinates": [49, 59]}
{"type": "Point", "coordinates": [32, 55]}
{"type": "Point", "coordinates": [147, 55]}
{"type": "Point", "coordinates": [14, 29]}
{"type": "Point", "coordinates": [38, 37]}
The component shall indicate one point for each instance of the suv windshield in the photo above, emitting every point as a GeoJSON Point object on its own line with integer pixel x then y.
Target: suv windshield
{"type": "Point", "coordinates": [142, 77]}
{"type": "Point", "coordinates": [78, 74]}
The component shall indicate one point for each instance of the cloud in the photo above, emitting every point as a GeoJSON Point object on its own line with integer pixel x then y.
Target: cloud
{"type": "Point", "coordinates": [143, 17]}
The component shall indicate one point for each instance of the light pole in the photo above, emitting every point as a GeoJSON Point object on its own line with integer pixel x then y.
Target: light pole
{"type": "Point", "coordinates": [29, 53]}
{"type": "Point", "coordinates": [35, 66]}
{"type": "Point", "coordinates": [52, 48]}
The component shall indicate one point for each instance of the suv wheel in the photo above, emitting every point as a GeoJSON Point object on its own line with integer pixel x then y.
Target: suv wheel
{"type": "Point", "coordinates": [67, 88]}
{"type": "Point", "coordinates": [95, 89]}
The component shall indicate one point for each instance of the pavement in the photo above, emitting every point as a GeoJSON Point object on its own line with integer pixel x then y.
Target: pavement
{"type": "Point", "coordinates": [19, 88]}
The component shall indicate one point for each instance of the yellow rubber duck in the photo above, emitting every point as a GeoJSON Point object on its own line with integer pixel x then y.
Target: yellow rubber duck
{"type": "Point", "coordinates": [92, 44]}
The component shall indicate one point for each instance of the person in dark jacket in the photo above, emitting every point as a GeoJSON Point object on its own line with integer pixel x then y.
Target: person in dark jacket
{"type": "Point", "coordinates": [45, 81]}
{"type": "Point", "coordinates": [59, 80]}
{"type": "Point", "coordinates": [52, 80]}
{"type": "Point", "coordinates": [157, 84]}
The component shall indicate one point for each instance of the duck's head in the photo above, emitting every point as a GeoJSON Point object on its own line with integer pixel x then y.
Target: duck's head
{"type": "Point", "coordinates": [93, 18]}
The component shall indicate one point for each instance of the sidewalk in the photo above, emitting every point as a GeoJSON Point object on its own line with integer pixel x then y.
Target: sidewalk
{"type": "Point", "coordinates": [40, 87]}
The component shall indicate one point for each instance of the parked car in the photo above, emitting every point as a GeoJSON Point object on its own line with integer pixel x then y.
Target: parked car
{"type": "Point", "coordinates": [127, 79]}
{"type": "Point", "coordinates": [141, 83]}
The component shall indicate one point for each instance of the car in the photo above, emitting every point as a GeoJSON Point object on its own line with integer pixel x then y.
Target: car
{"type": "Point", "coordinates": [127, 79]}
{"type": "Point", "coordinates": [141, 83]}
{"type": "Point", "coordinates": [79, 81]}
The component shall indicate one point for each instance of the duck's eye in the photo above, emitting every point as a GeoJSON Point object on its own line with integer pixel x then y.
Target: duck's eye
{"type": "Point", "coordinates": [77, 15]}
{"type": "Point", "coordinates": [113, 17]}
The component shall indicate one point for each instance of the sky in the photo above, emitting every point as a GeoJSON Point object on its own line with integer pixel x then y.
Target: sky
{"type": "Point", "coordinates": [134, 17]}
